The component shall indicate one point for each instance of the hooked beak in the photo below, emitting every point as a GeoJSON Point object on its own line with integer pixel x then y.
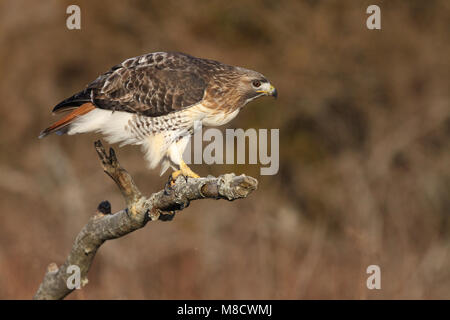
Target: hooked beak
{"type": "Point", "coordinates": [273, 92]}
{"type": "Point", "coordinates": [270, 92]}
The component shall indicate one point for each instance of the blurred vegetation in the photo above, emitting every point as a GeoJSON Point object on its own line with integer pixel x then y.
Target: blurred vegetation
{"type": "Point", "coordinates": [364, 124]}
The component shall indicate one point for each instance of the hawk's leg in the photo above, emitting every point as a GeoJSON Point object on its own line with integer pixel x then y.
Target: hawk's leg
{"type": "Point", "coordinates": [176, 156]}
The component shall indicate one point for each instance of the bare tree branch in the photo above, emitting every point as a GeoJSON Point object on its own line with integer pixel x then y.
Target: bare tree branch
{"type": "Point", "coordinates": [161, 205]}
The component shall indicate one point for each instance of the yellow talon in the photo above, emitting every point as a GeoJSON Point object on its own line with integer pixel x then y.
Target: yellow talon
{"type": "Point", "coordinates": [187, 172]}
{"type": "Point", "coordinates": [184, 171]}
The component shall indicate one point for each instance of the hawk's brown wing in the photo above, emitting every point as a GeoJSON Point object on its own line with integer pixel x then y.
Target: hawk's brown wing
{"type": "Point", "coordinates": [154, 85]}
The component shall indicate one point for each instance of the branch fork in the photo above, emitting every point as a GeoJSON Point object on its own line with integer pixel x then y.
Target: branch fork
{"type": "Point", "coordinates": [139, 211]}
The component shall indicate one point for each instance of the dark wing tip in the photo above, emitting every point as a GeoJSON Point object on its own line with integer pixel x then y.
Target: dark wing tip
{"type": "Point", "coordinates": [43, 134]}
{"type": "Point", "coordinates": [74, 101]}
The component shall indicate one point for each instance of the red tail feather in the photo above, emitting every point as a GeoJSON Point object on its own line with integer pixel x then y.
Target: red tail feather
{"type": "Point", "coordinates": [83, 109]}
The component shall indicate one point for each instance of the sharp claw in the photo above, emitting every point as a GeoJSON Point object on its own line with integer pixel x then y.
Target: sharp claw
{"type": "Point", "coordinates": [167, 189]}
{"type": "Point", "coordinates": [169, 184]}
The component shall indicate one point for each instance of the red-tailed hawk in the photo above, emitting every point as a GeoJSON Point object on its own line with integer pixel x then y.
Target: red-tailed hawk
{"type": "Point", "coordinates": [154, 100]}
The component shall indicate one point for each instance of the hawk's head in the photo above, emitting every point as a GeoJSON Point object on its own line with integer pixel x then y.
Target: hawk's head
{"type": "Point", "coordinates": [252, 85]}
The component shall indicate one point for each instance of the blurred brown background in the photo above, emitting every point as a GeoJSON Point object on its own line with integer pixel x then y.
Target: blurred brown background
{"type": "Point", "coordinates": [364, 178]}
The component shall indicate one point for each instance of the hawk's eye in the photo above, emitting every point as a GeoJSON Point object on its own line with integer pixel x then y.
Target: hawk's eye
{"type": "Point", "coordinates": [256, 83]}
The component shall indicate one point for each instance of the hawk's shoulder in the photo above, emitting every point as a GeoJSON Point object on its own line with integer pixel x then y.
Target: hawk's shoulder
{"type": "Point", "coordinates": [154, 84]}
